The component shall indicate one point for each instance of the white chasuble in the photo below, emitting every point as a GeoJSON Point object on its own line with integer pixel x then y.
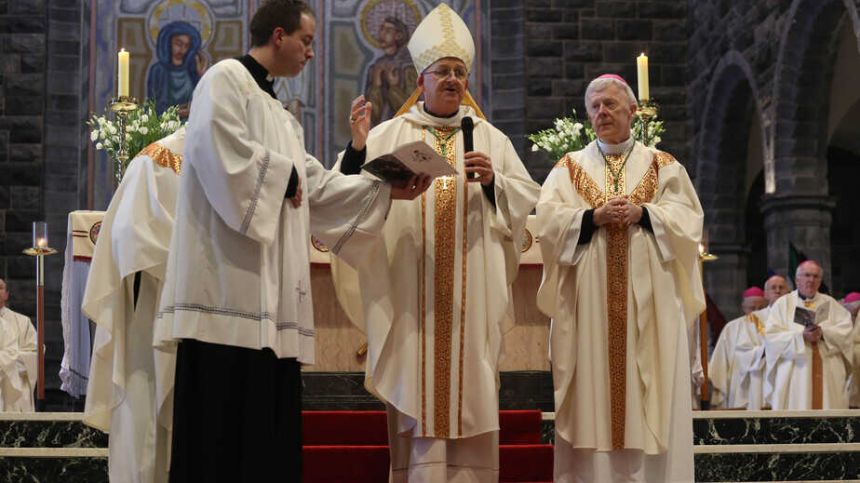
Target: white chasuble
{"type": "Point", "coordinates": [800, 375]}
{"type": "Point", "coordinates": [129, 392]}
{"type": "Point", "coordinates": [737, 365]}
{"type": "Point", "coordinates": [18, 362]}
{"type": "Point", "coordinates": [434, 296]}
{"type": "Point", "coordinates": [620, 307]}
{"type": "Point", "coordinates": [238, 272]}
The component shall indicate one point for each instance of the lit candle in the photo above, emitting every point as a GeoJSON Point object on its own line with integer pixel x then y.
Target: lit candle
{"type": "Point", "coordinates": [122, 73]}
{"type": "Point", "coordinates": [642, 70]}
{"type": "Point", "coordinates": [40, 234]}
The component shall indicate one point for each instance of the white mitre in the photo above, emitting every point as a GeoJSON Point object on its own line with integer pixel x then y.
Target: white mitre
{"type": "Point", "coordinates": [441, 34]}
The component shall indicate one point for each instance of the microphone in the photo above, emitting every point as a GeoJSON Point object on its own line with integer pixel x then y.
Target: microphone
{"type": "Point", "coordinates": [467, 125]}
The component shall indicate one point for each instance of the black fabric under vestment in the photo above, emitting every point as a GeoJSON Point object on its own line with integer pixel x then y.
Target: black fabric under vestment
{"type": "Point", "coordinates": [237, 415]}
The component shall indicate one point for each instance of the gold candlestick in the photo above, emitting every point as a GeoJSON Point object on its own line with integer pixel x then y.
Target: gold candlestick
{"type": "Point", "coordinates": [647, 111]}
{"type": "Point", "coordinates": [122, 106]}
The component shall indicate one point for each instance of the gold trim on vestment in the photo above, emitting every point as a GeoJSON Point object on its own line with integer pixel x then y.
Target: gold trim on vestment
{"type": "Point", "coordinates": [617, 262]}
{"type": "Point", "coordinates": [444, 226]}
{"type": "Point", "coordinates": [468, 100]}
{"type": "Point", "coordinates": [464, 265]}
{"type": "Point", "coordinates": [584, 185]}
{"type": "Point", "coordinates": [163, 156]}
{"type": "Point", "coordinates": [817, 369]}
{"type": "Point", "coordinates": [616, 299]}
{"type": "Point", "coordinates": [422, 312]}
{"type": "Point", "coordinates": [663, 158]}
{"type": "Point", "coordinates": [759, 327]}
{"type": "Point", "coordinates": [817, 379]}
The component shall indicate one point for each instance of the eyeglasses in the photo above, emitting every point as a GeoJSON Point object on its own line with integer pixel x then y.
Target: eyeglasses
{"type": "Point", "coordinates": [443, 73]}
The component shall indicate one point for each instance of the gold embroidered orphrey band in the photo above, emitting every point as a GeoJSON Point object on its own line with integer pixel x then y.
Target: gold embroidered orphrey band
{"type": "Point", "coordinates": [444, 257]}
{"type": "Point", "coordinates": [617, 264]}
{"type": "Point", "coordinates": [817, 370]}
{"type": "Point", "coordinates": [163, 156]}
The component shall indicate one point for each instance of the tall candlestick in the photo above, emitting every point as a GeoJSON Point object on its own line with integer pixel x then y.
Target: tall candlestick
{"type": "Point", "coordinates": [122, 73]}
{"type": "Point", "coordinates": [642, 71]}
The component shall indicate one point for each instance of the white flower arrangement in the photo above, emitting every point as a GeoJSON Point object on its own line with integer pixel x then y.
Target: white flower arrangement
{"type": "Point", "coordinates": [143, 127]}
{"type": "Point", "coordinates": [567, 134]}
{"type": "Point", "coordinates": [570, 134]}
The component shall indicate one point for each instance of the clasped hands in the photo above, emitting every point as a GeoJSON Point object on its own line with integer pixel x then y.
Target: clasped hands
{"type": "Point", "coordinates": [812, 333]}
{"type": "Point", "coordinates": [619, 212]}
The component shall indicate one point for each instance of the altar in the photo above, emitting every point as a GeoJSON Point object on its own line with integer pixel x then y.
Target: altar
{"type": "Point", "coordinates": [339, 344]}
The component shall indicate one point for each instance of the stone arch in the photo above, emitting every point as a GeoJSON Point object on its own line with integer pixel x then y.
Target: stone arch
{"type": "Point", "coordinates": [798, 206]}
{"type": "Point", "coordinates": [800, 93]}
{"type": "Point", "coordinates": [732, 109]}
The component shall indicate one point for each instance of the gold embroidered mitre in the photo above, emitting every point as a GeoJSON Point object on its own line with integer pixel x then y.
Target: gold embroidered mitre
{"type": "Point", "coordinates": [441, 34]}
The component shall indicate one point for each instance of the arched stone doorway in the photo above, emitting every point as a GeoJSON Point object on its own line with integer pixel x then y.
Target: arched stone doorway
{"type": "Point", "coordinates": [798, 204]}
{"type": "Point", "coordinates": [730, 160]}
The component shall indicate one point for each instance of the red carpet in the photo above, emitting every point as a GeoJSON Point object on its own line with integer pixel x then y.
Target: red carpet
{"type": "Point", "coordinates": [352, 446]}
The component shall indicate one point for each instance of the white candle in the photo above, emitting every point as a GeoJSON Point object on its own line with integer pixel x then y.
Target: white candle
{"type": "Point", "coordinates": [122, 73]}
{"type": "Point", "coordinates": [40, 234]}
{"type": "Point", "coordinates": [642, 71]}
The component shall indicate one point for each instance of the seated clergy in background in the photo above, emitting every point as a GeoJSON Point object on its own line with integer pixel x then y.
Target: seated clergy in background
{"type": "Point", "coordinates": [851, 302]}
{"type": "Point", "coordinates": [807, 346]}
{"type": "Point", "coordinates": [737, 364]}
{"type": "Point", "coordinates": [129, 392]}
{"type": "Point", "coordinates": [620, 225]}
{"type": "Point", "coordinates": [438, 290]}
{"type": "Point", "coordinates": [17, 357]}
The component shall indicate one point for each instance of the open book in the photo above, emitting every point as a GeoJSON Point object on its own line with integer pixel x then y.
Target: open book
{"type": "Point", "coordinates": [407, 161]}
{"type": "Point", "coordinates": [806, 317]}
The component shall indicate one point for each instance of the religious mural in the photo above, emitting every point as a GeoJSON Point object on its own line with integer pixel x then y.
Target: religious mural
{"type": "Point", "coordinates": [178, 65]}
{"type": "Point", "coordinates": [391, 77]}
{"type": "Point", "coordinates": [365, 53]}
{"type": "Point", "coordinates": [360, 49]}
{"type": "Point", "coordinates": [171, 43]}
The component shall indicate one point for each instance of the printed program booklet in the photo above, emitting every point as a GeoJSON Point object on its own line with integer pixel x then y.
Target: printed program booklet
{"type": "Point", "coordinates": [409, 160]}
{"type": "Point", "coordinates": [806, 317]}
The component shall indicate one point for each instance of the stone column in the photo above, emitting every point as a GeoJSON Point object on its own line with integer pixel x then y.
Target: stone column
{"type": "Point", "coordinates": [803, 220]}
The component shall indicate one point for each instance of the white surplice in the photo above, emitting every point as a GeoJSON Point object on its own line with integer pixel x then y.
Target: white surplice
{"type": "Point", "coordinates": [737, 365]}
{"type": "Point", "coordinates": [18, 370]}
{"type": "Point", "coordinates": [788, 376]}
{"type": "Point", "coordinates": [434, 296]}
{"type": "Point", "coordinates": [129, 393]}
{"type": "Point", "coordinates": [660, 271]}
{"type": "Point", "coordinates": [238, 272]}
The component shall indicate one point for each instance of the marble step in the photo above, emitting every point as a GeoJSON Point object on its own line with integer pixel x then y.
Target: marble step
{"type": "Point", "coordinates": [779, 428]}
{"type": "Point", "coordinates": [50, 465]}
{"type": "Point", "coordinates": [48, 430]}
{"type": "Point", "coordinates": [778, 462]}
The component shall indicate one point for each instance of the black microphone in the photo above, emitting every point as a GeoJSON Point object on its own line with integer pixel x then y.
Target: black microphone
{"type": "Point", "coordinates": [467, 125]}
